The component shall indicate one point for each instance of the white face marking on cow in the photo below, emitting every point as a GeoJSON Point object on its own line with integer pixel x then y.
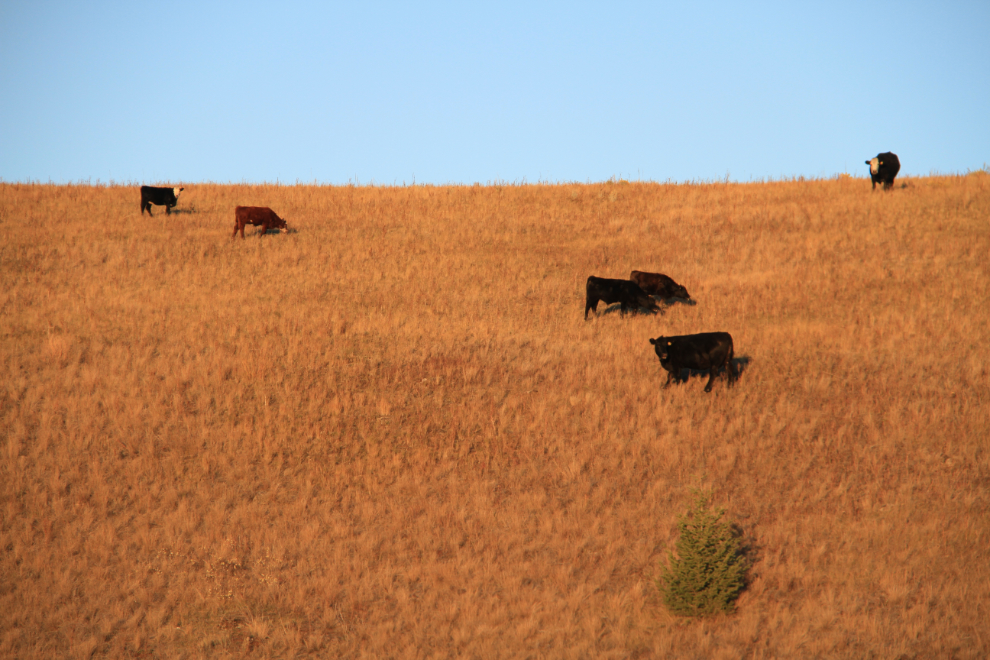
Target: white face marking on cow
{"type": "Point", "coordinates": [874, 165]}
{"type": "Point", "coordinates": [176, 192]}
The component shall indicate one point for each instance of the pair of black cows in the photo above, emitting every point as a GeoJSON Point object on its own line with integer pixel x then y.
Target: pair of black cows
{"type": "Point", "coordinates": [707, 351]}
{"type": "Point", "coordinates": [259, 216]}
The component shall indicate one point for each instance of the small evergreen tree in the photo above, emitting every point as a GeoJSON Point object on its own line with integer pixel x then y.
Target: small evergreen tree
{"type": "Point", "coordinates": [709, 571]}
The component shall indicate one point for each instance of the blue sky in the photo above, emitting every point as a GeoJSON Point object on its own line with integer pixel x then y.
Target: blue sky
{"type": "Point", "coordinates": [457, 93]}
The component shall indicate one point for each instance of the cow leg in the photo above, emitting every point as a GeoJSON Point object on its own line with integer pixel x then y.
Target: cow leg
{"type": "Point", "coordinates": [670, 374]}
{"type": "Point", "coordinates": [592, 305]}
{"type": "Point", "coordinates": [168, 210]}
{"type": "Point", "coordinates": [730, 366]}
{"type": "Point", "coordinates": [713, 374]}
{"type": "Point", "coordinates": [149, 209]}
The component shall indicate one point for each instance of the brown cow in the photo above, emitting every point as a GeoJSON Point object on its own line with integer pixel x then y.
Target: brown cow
{"type": "Point", "coordinates": [658, 284]}
{"type": "Point", "coordinates": [256, 215]}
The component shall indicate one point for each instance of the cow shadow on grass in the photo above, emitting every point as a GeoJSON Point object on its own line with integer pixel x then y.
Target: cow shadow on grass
{"type": "Point", "coordinates": [670, 302]}
{"type": "Point", "coordinates": [663, 303]}
{"type": "Point", "coordinates": [634, 311]}
{"type": "Point", "coordinates": [186, 211]}
{"type": "Point", "coordinates": [741, 364]}
{"type": "Point", "coordinates": [276, 231]}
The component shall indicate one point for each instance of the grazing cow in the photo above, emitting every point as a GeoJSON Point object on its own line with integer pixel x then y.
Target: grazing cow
{"type": "Point", "coordinates": [616, 291]}
{"type": "Point", "coordinates": [167, 197]}
{"type": "Point", "coordinates": [658, 284]}
{"type": "Point", "coordinates": [708, 350]}
{"type": "Point", "coordinates": [883, 169]}
{"type": "Point", "coordinates": [256, 215]}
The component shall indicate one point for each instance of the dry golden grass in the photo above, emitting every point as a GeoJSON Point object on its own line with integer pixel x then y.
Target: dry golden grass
{"type": "Point", "coordinates": [390, 433]}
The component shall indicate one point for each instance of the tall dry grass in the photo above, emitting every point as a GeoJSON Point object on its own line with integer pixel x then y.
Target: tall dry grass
{"type": "Point", "coordinates": [390, 433]}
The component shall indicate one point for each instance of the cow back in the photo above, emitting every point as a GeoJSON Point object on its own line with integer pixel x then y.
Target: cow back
{"type": "Point", "coordinates": [705, 350]}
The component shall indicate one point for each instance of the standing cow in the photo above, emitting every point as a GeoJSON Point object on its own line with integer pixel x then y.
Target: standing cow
{"type": "Point", "coordinates": [883, 169]}
{"type": "Point", "coordinates": [658, 284]}
{"type": "Point", "coordinates": [167, 197]}
{"type": "Point", "coordinates": [256, 215]}
{"type": "Point", "coordinates": [708, 350]}
{"type": "Point", "coordinates": [616, 291]}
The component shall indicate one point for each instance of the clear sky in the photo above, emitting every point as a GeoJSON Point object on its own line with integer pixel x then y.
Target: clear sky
{"type": "Point", "coordinates": [361, 92]}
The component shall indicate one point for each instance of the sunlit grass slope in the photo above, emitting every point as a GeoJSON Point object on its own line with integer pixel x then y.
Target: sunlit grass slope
{"type": "Point", "coordinates": [390, 431]}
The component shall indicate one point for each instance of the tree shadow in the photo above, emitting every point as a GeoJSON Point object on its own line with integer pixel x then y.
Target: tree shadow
{"type": "Point", "coordinates": [750, 551]}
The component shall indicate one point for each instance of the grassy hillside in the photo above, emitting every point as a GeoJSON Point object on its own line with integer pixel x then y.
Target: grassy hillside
{"type": "Point", "coordinates": [390, 432]}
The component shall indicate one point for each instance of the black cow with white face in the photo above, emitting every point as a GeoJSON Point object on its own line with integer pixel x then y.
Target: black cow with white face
{"type": "Point", "coordinates": [706, 351]}
{"type": "Point", "coordinates": [883, 169]}
{"type": "Point", "coordinates": [167, 197]}
{"type": "Point", "coordinates": [616, 291]}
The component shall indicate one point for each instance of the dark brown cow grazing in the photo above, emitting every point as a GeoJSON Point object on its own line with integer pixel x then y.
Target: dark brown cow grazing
{"type": "Point", "coordinates": [256, 215]}
{"type": "Point", "coordinates": [658, 284]}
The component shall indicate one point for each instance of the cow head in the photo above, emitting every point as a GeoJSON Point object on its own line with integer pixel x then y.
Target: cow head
{"type": "Point", "coordinates": [680, 292]}
{"type": "Point", "coordinates": [176, 191]}
{"type": "Point", "coordinates": [874, 164]}
{"type": "Point", "coordinates": [662, 347]}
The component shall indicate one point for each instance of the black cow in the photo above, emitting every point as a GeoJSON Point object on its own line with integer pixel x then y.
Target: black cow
{"type": "Point", "coordinates": [616, 291]}
{"type": "Point", "coordinates": [883, 169]}
{"type": "Point", "coordinates": [167, 197]}
{"type": "Point", "coordinates": [258, 216]}
{"type": "Point", "coordinates": [658, 284]}
{"type": "Point", "coordinates": [708, 350]}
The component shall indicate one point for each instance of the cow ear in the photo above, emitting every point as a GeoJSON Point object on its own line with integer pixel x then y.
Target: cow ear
{"type": "Point", "coordinates": [653, 341]}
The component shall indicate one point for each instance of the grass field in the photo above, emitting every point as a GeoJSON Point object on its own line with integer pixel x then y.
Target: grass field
{"type": "Point", "coordinates": [389, 432]}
